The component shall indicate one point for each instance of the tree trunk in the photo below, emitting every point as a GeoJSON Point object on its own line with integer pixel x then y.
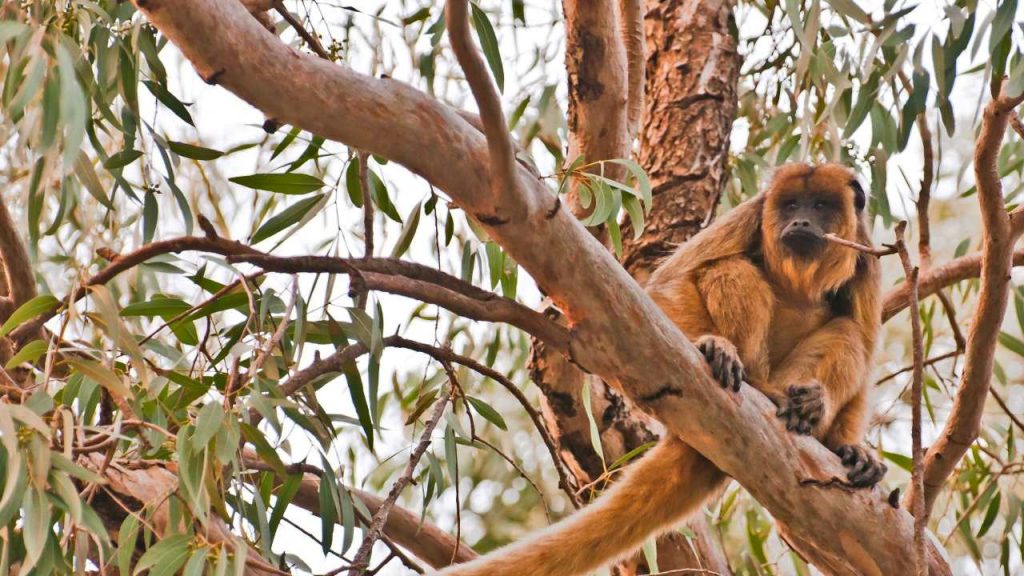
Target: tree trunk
{"type": "Point", "coordinates": [692, 70]}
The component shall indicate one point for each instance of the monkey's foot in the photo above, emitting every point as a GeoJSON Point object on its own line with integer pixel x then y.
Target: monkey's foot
{"type": "Point", "coordinates": [723, 359]}
{"type": "Point", "coordinates": [802, 408]}
{"type": "Point", "coordinates": [862, 468]}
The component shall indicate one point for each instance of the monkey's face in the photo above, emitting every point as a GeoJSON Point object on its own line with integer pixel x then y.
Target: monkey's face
{"type": "Point", "coordinates": [804, 219]}
{"type": "Point", "coordinates": [803, 205]}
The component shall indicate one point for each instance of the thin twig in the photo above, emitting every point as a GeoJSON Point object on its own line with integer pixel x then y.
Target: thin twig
{"type": "Point", "coordinates": [364, 183]}
{"type": "Point", "coordinates": [445, 354]}
{"type": "Point", "coordinates": [362, 557]}
{"type": "Point", "coordinates": [917, 478]}
{"type": "Point", "coordinates": [311, 40]}
{"type": "Point", "coordinates": [887, 250]}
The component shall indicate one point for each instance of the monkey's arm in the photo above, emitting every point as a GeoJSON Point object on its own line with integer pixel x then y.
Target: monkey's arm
{"type": "Point", "coordinates": [820, 378]}
{"type": "Point", "coordinates": [822, 388]}
{"type": "Point", "coordinates": [725, 308]}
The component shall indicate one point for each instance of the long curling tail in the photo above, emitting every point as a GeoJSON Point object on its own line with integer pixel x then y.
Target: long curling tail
{"type": "Point", "coordinates": [661, 489]}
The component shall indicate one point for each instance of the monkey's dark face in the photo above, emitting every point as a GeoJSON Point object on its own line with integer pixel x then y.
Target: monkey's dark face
{"type": "Point", "coordinates": [804, 220]}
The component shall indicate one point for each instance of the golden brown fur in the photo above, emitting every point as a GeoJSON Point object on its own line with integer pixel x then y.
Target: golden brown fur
{"type": "Point", "coordinates": [804, 330]}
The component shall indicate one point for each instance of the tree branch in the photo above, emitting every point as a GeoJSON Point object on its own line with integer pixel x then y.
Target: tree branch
{"type": "Point", "coordinates": [385, 274]}
{"type": "Point", "coordinates": [631, 24]}
{"type": "Point", "coordinates": [380, 516]}
{"type": "Point", "coordinates": [998, 238]}
{"type": "Point", "coordinates": [937, 278]}
{"type": "Point", "coordinates": [619, 333]}
{"type": "Point", "coordinates": [499, 143]}
{"type": "Point", "coordinates": [21, 284]}
{"type": "Point", "coordinates": [917, 507]}
{"type": "Point", "coordinates": [599, 96]}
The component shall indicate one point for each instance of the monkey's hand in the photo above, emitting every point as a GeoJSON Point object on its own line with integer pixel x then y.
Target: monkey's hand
{"type": "Point", "coordinates": [724, 360]}
{"type": "Point", "coordinates": [802, 407]}
{"type": "Point", "coordinates": [862, 468]}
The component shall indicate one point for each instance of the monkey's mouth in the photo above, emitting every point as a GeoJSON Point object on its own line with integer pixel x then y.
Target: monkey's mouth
{"type": "Point", "coordinates": [803, 243]}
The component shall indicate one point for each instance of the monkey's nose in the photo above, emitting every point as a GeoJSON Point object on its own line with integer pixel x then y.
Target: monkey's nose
{"type": "Point", "coordinates": [801, 224]}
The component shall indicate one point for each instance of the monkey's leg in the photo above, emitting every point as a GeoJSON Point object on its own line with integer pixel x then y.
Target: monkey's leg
{"type": "Point", "coordinates": [667, 484]}
{"type": "Point", "coordinates": [844, 438]}
{"type": "Point", "coordinates": [821, 388]}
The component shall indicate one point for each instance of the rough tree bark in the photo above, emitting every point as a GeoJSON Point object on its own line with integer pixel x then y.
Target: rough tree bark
{"type": "Point", "coordinates": [618, 332]}
{"type": "Point", "coordinates": [692, 69]}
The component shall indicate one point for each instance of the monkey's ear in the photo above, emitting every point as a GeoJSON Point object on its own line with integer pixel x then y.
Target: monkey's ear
{"type": "Point", "coordinates": [859, 199]}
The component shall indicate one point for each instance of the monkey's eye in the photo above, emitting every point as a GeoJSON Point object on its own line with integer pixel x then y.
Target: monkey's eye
{"type": "Point", "coordinates": [822, 205]}
{"type": "Point", "coordinates": [789, 205]}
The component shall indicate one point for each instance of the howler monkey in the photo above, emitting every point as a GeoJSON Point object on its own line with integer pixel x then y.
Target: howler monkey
{"type": "Point", "coordinates": [768, 300]}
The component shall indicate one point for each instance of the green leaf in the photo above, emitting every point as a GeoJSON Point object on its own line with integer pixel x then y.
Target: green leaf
{"type": "Point", "coordinates": [1003, 21]}
{"type": "Point", "coordinates": [905, 462]}
{"type": "Point", "coordinates": [39, 305]}
{"type": "Point", "coordinates": [196, 563]}
{"type": "Point", "coordinates": [990, 515]}
{"type": "Point", "coordinates": [650, 549]}
{"type": "Point", "coordinates": [1012, 343]}
{"type": "Point", "coordinates": [288, 217]}
{"type": "Point", "coordinates": [207, 424]}
{"type": "Point", "coordinates": [158, 306]}
{"type": "Point", "coordinates": [355, 389]}
{"type": "Point", "coordinates": [166, 556]}
{"type": "Point", "coordinates": [489, 413]}
{"type": "Point", "coordinates": [489, 45]}
{"type": "Point", "coordinates": [379, 193]}
{"type": "Point", "coordinates": [28, 353]}
{"type": "Point", "coordinates": [280, 183]}
{"type": "Point", "coordinates": [126, 540]}
{"type": "Point", "coordinates": [122, 159]}
{"type": "Point", "coordinates": [408, 231]}
{"type": "Point", "coordinates": [169, 100]}
{"type": "Point", "coordinates": [192, 151]}
{"type": "Point", "coordinates": [73, 105]}
{"type": "Point", "coordinates": [87, 176]}
{"type": "Point", "coordinates": [850, 9]}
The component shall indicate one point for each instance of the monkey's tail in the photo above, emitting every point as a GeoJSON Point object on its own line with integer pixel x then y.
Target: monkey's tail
{"type": "Point", "coordinates": [661, 489]}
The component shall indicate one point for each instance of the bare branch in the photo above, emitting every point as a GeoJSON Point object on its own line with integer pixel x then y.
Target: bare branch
{"type": "Point", "coordinates": [917, 504]}
{"type": "Point", "coordinates": [499, 143]}
{"type": "Point", "coordinates": [876, 252]}
{"type": "Point", "coordinates": [417, 281]}
{"type": "Point", "coordinates": [380, 516]}
{"type": "Point", "coordinates": [311, 40]}
{"type": "Point", "coordinates": [937, 278]}
{"type": "Point", "coordinates": [998, 238]}
{"type": "Point", "coordinates": [924, 195]}
{"type": "Point", "coordinates": [21, 283]}
{"type": "Point", "coordinates": [631, 23]}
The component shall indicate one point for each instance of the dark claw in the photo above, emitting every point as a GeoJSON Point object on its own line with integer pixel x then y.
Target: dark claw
{"type": "Point", "coordinates": [725, 366]}
{"type": "Point", "coordinates": [863, 469]}
{"type": "Point", "coordinates": [802, 408]}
